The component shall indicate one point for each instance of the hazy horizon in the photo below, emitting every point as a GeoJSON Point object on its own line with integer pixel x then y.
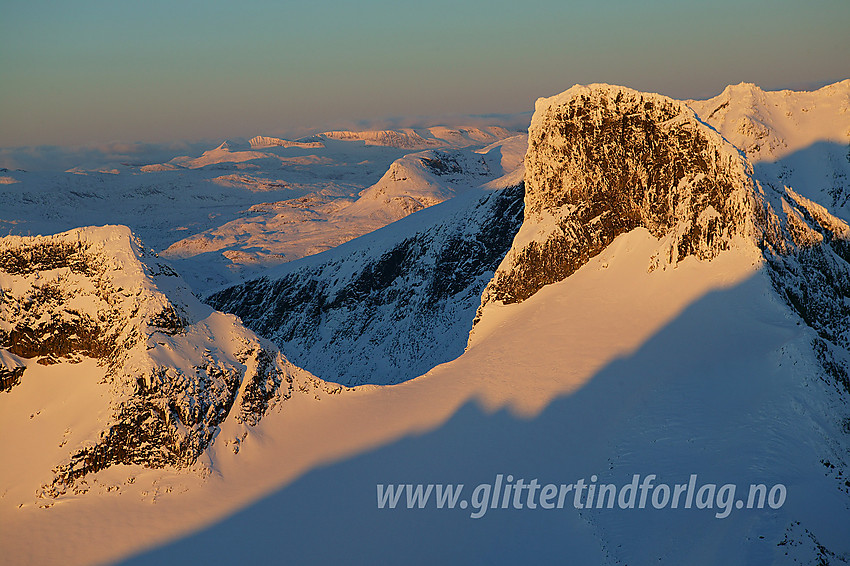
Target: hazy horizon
{"type": "Point", "coordinates": [95, 72]}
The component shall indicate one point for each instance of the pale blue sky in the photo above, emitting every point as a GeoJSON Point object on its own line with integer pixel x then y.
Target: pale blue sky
{"type": "Point", "coordinates": [90, 71]}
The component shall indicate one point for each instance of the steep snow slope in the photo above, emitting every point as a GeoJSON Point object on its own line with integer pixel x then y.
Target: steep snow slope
{"type": "Point", "coordinates": [614, 371]}
{"type": "Point", "coordinates": [389, 305]}
{"type": "Point", "coordinates": [153, 373]}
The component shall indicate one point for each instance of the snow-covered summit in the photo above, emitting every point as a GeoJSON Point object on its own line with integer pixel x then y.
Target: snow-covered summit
{"type": "Point", "coordinates": [423, 179]}
{"type": "Point", "coordinates": [172, 370]}
{"type": "Point", "coordinates": [798, 139]}
{"type": "Point", "coordinates": [769, 125]}
{"type": "Point", "coordinates": [603, 160]}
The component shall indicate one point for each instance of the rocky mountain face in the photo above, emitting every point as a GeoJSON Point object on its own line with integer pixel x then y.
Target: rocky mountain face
{"type": "Point", "coordinates": [604, 160]}
{"type": "Point", "coordinates": [11, 370]}
{"type": "Point", "coordinates": [175, 369]}
{"type": "Point", "coordinates": [388, 306]}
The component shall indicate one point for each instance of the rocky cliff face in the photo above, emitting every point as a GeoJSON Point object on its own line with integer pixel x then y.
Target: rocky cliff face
{"type": "Point", "coordinates": [388, 306]}
{"type": "Point", "coordinates": [175, 369]}
{"type": "Point", "coordinates": [603, 161]}
{"type": "Point", "coordinates": [11, 370]}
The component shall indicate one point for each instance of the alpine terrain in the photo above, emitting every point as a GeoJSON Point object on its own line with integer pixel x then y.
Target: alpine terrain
{"type": "Point", "coordinates": [656, 295]}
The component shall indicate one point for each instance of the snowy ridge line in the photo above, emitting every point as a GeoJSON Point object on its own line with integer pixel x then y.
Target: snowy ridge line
{"type": "Point", "coordinates": [793, 139]}
{"type": "Point", "coordinates": [263, 142]}
{"type": "Point", "coordinates": [422, 138]}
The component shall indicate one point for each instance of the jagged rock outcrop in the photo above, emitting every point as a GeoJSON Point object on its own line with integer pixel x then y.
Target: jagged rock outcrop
{"type": "Point", "coordinates": [605, 160]}
{"type": "Point", "coordinates": [11, 370]}
{"type": "Point", "coordinates": [175, 369]}
{"type": "Point", "coordinates": [388, 306]}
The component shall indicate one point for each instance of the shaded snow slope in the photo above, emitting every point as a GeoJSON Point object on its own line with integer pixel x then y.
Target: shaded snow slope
{"type": "Point", "coordinates": [390, 305]}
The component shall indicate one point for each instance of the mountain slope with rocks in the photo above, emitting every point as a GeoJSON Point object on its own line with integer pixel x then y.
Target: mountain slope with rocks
{"type": "Point", "coordinates": [165, 371]}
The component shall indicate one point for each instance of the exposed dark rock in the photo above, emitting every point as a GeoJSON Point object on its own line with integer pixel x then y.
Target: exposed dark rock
{"type": "Point", "coordinates": [10, 377]}
{"type": "Point", "coordinates": [442, 164]}
{"type": "Point", "coordinates": [603, 161]}
{"type": "Point", "coordinates": [95, 292]}
{"type": "Point", "coordinates": [45, 255]}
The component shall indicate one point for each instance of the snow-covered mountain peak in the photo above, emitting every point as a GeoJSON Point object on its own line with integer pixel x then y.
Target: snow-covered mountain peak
{"type": "Point", "coordinates": [172, 370]}
{"type": "Point", "coordinates": [423, 179]}
{"type": "Point", "coordinates": [770, 125]}
{"type": "Point", "coordinates": [603, 160]}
